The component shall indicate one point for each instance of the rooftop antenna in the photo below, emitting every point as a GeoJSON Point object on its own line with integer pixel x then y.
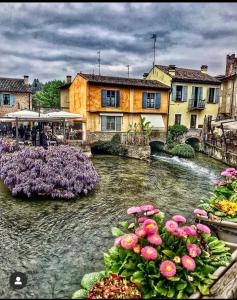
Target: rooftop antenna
{"type": "Point", "coordinates": [128, 70]}
{"type": "Point", "coordinates": [154, 37]}
{"type": "Point", "coordinates": [99, 60]}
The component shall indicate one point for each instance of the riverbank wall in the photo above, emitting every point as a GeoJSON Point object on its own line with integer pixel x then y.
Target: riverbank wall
{"type": "Point", "coordinates": [138, 152]}
{"type": "Point", "coordinates": [228, 158]}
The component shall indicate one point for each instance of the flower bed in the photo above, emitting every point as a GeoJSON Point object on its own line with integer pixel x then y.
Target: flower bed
{"type": "Point", "coordinates": [164, 259]}
{"type": "Point", "coordinates": [59, 172]}
{"type": "Point", "coordinates": [223, 200]}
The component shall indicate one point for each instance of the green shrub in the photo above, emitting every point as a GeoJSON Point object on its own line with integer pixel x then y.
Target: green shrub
{"type": "Point", "coordinates": [183, 150]}
{"type": "Point", "coordinates": [109, 147]}
{"type": "Point", "coordinates": [175, 131]}
{"type": "Point", "coordinates": [116, 139]}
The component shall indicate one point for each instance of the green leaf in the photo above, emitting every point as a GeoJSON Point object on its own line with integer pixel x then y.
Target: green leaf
{"type": "Point", "coordinates": [180, 295]}
{"type": "Point", "coordinates": [181, 285]}
{"type": "Point", "coordinates": [80, 294]}
{"type": "Point", "coordinates": [116, 232]}
{"type": "Point", "coordinates": [169, 253]}
{"type": "Point", "coordinates": [173, 278]}
{"type": "Point", "coordinates": [203, 289]}
{"type": "Point", "coordinates": [171, 292]}
{"type": "Point", "coordinates": [138, 277]}
{"type": "Point", "coordinates": [90, 279]}
{"type": "Point", "coordinates": [127, 273]}
{"type": "Point", "coordinates": [115, 268]}
{"type": "Point", "coordinates": [124, 224]}
{"type": "Point", "coordinates": [211, 276]}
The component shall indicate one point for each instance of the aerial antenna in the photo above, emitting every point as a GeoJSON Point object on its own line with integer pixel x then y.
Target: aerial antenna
{"type": "Point", "coordinates": [128, 70]}
{"type": "Point", "coordinates": [154, 37]}
{"type": "Point", "coordinates": [99, 60]}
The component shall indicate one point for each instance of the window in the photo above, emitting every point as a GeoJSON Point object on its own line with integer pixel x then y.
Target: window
{"type": "Point", "coordinates": [179, 92]}
{"type": "Point", "coordinates": [150, 102]}
{"type": "Point", "coordinates": [6, 99]}
{"type": "Point", "coordinates": [213, 95]}
{"type": "Point", "coordinates": [193, 121]}
{"type": "Point", "coordinates": [110, 123]}
{"type": "Point", "coordinates": [110, 98]}
{"type": "Point", "coordinates": [177, 120]}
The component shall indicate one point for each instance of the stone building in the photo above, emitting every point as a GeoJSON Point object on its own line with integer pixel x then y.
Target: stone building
{"type": "Point", "coordinates": [228, 94]}
{"type": "Point", "coordinates": [15, 94]}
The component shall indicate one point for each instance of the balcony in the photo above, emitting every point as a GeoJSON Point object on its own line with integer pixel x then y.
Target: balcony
{"type": "Point", "coordinates": [195, 104]}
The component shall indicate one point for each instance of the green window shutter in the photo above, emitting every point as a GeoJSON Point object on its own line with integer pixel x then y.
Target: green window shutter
{"type": "Point", "coordinates": [11, 100]}
{"type": "Point", "coordinates": [174, 92]}
{"type": "Point", "coordinates": [117, 98]}
{"type": "Point", "coordinates": [1, 99]}
{"type": "Point", "coordinates": [193, 92]}
{"type": "Point", "coordinates": [157, 100]}
{"type": "Point", "coordinates": [217, 91]}
{"type": "Point", "coordinates": [200, 92]}
{"type": "Point", "coordinates": [103, 123]}
{"type": "Point", "coordinates": [185, 93]}
{"type": "Point", "coordinates": [118, 123]}
{"type": "Point", "coordinates": [103, 98]}
{"type": "Point", "coordinates": [144, 100]}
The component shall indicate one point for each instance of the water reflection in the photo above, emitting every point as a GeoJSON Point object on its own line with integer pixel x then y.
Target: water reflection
{"type": "Point", "coordinates": [56, 242]}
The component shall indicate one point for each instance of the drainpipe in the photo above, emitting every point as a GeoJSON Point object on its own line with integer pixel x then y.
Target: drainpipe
{"type": "Point", "coordinates": [168, 113]}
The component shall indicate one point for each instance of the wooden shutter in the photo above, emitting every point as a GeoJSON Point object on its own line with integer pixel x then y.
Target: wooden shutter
{"type": "Point", "coordinates": [144, 100]}
{"type": "Point", "coordinates": [157, 100]}
{"type": "Point", "coordinates": [118, 123]}
{"type": "Point", "coordinates": [216, 95]}
{"type": "Point", "coordinates": [174, 92]}
{"type": "Point", "coordinates": [103, 98]}
{"type": "Point", "coordinates": [11, 100]}
{"type": "Point", "coordinates": [103, 123]}
{"type": "Point", "coordinates": [117, 98]}
{"type": "Point", "coordinates": [185, 93]}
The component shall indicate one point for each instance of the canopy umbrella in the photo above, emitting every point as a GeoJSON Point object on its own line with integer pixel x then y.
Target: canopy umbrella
{"type": "Point", "coordinates": [63, 115]}
{"type": "Point", "coordinates": [23, 114]}
{"type": "Point", "coordinates": [230, 125]}
{"type": "Point", "coordinates": [218, 123]}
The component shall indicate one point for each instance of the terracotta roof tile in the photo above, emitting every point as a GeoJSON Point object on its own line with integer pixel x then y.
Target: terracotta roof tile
{"type": "Point", "coordinates": [13, 85]}
{"type": "Point", "coordinates": [123, 81]}
{"type": "Point", "coordinates": [190, 75]}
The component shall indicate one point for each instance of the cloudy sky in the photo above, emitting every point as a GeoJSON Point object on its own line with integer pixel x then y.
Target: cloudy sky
{"type": "Point", "coordinates": [51, 40]}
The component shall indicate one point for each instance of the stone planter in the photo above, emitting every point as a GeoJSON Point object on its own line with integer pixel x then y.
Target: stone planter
{"type": "Point", "coordinates": [225, 230]}
{"type": "Point", "coordinates": [225, 286]}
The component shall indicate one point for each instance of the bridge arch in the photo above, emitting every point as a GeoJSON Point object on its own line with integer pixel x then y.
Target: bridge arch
{"type": "Point", "coordinates": [193, 141]}
{"type": "Point", "coordinates": [156, 145]}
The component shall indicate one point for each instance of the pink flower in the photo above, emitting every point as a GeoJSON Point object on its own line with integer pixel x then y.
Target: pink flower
{"type": "Point", "coordinates": [193, 250]}
{"type": "Point", "coordinates": [189, 231]}
{"type": "Point", "coordinates": [168, 268]}
{"type": "Point", "coordinates": [128, 241]}
{"type": "Point", "coordinates": [131, 226]}
{"type": "Point", "coordinates": [153, 212]}
{"type": "Point", "coordinates": [188, 262]}
{"type": "Point", "coordinates": [227, 174]}
{"type": "Point", "coordinates": [203, 228]}
{"type": "Point", "coordinates": [133, 210]}
{"type": "Point", "coordinates": [117, 241]}
{"type": "Point", "coordinates": [216, 182]}
{"type": "Point", "coordinates": [171, 226]}
{"type": "Point", "coordinates": [180, 232]}
{"type": "Point", "coordinates": [200, 212]}
{"type": "Point", "coordinates": [149, 253]}
{"type": "Point", "coordinates": [146, 207]}
{"type": "Point", "coordinates": [154, 239]}
{"type": "Point", "coordinates": [142, 219]}
{"type": "Point", "coordinates": [140, 231]}
{"type": "Point", "coordinates": [150, 226]}
{"type": "Point", "coordinates": [179, 218]}
{"type": "Point", "coordinates": [230, 170]}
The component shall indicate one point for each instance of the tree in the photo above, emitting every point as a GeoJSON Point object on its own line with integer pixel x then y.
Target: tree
{"type": "Point", "coordinates": [49, 96]}
{"type": "Point", "coordinates": [35, 87]}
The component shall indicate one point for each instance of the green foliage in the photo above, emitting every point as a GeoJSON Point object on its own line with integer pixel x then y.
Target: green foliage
{"type": "Point", "coordinates": [49, 96]}
{"type": "Point", "coordinates": [116, 139]}
{"type": "Point", "coordinates": [112, 147]}
{"type": "Point", "coordinates": [35, 87]}
{"type": "Point", "coordinates": [142, 127]}
{"type": "Point", "coordinates": [183, 150]}
{"type": "Point", "coordinates": [146, 273]}
{"type": "Point", "coordinates": [175, 131]}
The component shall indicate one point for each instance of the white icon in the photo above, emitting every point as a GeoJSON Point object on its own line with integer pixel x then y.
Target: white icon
{"type": "Point", "coordinates": [18, 281]}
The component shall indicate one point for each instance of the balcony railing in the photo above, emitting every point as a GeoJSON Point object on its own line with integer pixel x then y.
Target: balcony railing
{"type": "Point", "coordinates": [196, 104]}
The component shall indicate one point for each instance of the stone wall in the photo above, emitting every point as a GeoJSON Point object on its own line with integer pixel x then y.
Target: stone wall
{"type": "Point", "coordinates": [138, 152]}
{"type": "Point", "coordinates": [219, 154]}
{"type": "Point", "coordinates": [100, 136]}
{"type": "Point", "coordinates": [21, 101]}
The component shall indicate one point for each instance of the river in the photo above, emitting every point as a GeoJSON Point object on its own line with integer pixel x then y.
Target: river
{"type": "Point", "coordinates": [56, 242]}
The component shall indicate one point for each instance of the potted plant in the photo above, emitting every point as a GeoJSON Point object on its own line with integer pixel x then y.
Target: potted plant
{"type": "Point", "coordinates": [164, 258]}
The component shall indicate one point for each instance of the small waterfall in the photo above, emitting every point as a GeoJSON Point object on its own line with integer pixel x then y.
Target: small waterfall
{"type": "Point", "coordinates": [186, 164]}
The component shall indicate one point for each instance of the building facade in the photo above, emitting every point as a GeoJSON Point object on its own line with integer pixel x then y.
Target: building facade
{"type": "Point", "coordinates": [15, 94]}
{"type": "Point", "coordinates": [228, 94]}
{"type": "Point", "coordinates": [111, 104]}
{"type": "Point", "coordinates": [195, 94]}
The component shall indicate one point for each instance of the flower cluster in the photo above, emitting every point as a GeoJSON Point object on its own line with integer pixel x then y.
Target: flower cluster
{"type": "Point", "coordinates": [59, 172]}
{"type": "Point", "coordinates": [8, 146]}
{"type": "Point", "coordinates": [227, 207]}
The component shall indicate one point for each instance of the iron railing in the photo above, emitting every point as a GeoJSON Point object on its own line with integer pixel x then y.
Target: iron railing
{"type": "Point", "coordinates": [196, 104]}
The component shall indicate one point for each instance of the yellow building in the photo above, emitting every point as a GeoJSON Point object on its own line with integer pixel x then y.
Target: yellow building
{"type": "Point", "coordinates": [110, 104]}
{"type": "Point", "coordinates": [195, 94]}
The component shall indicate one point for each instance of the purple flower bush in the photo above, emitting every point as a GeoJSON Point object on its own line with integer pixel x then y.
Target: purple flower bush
{"type": "Point", "coordinates": [8, 146]}
{"type": "Point", "coordinates": [59, 172]}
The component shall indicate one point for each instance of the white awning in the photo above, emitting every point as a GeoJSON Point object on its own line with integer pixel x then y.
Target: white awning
{"type": "Point", "coordinates": [22, 114]}
{"type": "Point", "coordinates": [63, 114]}
{"type": "Point", "coordinates": [230, 125]}
{"type": "Point", "coordinates": [155, 119]}
{"type": "Point", "coordinates": [112, 114]}
{"type": "Point", "coordinates": [218, 123]}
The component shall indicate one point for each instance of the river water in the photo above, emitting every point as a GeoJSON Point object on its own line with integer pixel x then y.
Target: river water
{"type": "Point", "coordinates": [56, 242]}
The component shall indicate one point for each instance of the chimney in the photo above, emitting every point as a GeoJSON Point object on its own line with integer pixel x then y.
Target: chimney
{"type": "Point", "coordinates": [68, 79]}
{"type": "Point", "coordinates": [231, 64]}
{"type": "Point", "coordinates": [172, 69]}
{"type": "Point", "coordinates": [204, 69]}
{"type": "Point", "coordinates": [26, 79]}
